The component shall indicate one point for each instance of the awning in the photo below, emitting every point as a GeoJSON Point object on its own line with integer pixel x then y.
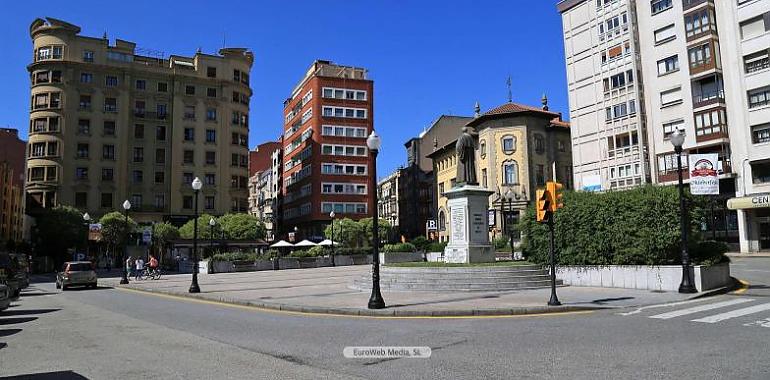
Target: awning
{"type": "Point", "coordinates": [755, 201]}
{"type": "Point", "coordinates": [282, 244]}
{"type": "Point", "coordinates": [328, 242]}
{"type": "Point", "coordinates": [305, 243]}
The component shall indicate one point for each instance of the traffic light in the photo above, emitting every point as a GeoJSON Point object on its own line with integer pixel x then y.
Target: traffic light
{"type": "Point", "coordinates": [555, 191]}
{"type": "Point", "coordinates": [543, 205]}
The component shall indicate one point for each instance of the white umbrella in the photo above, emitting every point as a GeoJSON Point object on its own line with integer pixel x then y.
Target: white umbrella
{"type": "Point", "coordinates": [328, 242]}
{"type": "Point", "coordinates": [305, 243]}
{"type": "Point", "coordinates": [282, 244]}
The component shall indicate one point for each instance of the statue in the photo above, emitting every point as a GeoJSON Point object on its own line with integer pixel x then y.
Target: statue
{"type": "Point", "coordinates": [466, 158]}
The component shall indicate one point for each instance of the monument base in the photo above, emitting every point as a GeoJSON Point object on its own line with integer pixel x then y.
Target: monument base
{"type": "Point", "coordinates": [469, 233]}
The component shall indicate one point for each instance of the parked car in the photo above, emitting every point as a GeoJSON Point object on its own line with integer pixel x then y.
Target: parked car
{"type": "Point", "coordinates": [9, 274]}
{"type": "Point", "coordinates": [5, 297]}
{"type": "Point", "coordinates": [76, 273]}
{"type": "Point", "coordinates": [20, 261]}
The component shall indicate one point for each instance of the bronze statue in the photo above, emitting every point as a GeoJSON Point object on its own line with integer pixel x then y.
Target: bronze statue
{"type": "Point", "coordinates": [466, 158]}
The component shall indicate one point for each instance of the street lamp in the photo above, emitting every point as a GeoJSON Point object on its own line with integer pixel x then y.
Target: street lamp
{"type": "Point", "coordinates": [194, 288]}
{"type": "Point", "coordinates": [86, 221]}
{"type": "Point", "coordinates": [331, 215]}
{"type": "Point", "coordinates": [126, 207]}
{"type": "Point", "coordinates": [210, 267]}
{"type": "Point", "coordinates": [375, 301]}
{"type": "Point", "coordinates": [677, 139]}
{"type": "Point", "coordinates": [509, 196]}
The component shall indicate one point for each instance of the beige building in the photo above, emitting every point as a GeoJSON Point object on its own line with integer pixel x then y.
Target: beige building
{"type": "Point", "coordinates": [264, 195]}
{"type": "Point", "coordinates": [110, 122]}
{"type": "Point", "coordinates": [518, 148]}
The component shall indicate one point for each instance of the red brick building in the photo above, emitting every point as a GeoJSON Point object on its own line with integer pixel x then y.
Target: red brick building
{"type": "Point", "coordinates": [326, 161]}
{"type": "Point", "coordinates": [260, 158]}
{"type": "Point", "coordinates": [12, 175]}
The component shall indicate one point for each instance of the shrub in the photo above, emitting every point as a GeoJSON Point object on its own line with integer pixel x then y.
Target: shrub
{"type": "Point", "coordinates": [421, 243]}
{"type": "Point", "coordinates": [271, 253]}
{"type": "Point", "coordinates": [633, 227]}
{"type": "Point", "coordinates": [235, 256]}
{"type": "Point", "coordinates": [502, 242]}
{"type": "Point", "coordinates": [400, 247]}
{"type": "Point", "coordinates": [353, 251]}
{"type": "Point", "coordinates": [437, 246]}
{"type": "Point", "coordinates": [708, 253]}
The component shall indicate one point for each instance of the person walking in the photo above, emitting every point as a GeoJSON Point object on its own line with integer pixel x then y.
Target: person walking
{"type": "Point", "coordinates": [139, 267]}
{"type": "Point", "coordinates": [129, 266]}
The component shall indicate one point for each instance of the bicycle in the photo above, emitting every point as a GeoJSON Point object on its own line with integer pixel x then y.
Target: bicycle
{"type": "Point", "coordinates": [151, 274]}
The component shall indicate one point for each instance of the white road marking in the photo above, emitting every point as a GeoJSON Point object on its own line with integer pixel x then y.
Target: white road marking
{"type": "Point", "coordinates": [697, 309]}
{"type": "Point", "coordinates": [734, 313]}
{"type": "Point", "coordinates": [639, 310]}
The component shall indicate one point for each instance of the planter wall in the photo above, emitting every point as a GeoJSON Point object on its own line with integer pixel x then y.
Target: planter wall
{"type": "Point", "coordinates": [435, 257]}
{"type": "Point", "coordinates": [662, 278]}
{"type": "Point", "coordinates": [400, 257]}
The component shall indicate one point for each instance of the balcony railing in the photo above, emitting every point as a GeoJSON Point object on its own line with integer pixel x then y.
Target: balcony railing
{"type": "Point", "coordinates": [142, 114]}
{"type": "Point", "coordinates": [687, 4]}
{"type": "Point", "coordinates": [711, 132]}
{"type": "Point", "coordinates": [758, 65]}
{"type": "Point", "coordinates": [706, 98]}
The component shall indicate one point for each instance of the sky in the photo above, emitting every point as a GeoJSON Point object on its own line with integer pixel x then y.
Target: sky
{"type": "Point", "coordinates": [427, 58]}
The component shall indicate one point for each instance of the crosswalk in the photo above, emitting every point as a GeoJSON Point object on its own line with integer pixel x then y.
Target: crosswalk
{"type": "Point", "coordinates": [710, 311]}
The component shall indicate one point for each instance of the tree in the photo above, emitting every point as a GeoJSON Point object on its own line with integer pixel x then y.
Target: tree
{"type": "Point", "coordinates": [242, 227]}
{"type": "Point", "coordinates": [368, 229]}
{"type": "Point", "coordinates": [114, 230]}
{"type": "Point", "coordinates": [57, 229]}
{"type": "Point", "coordinates": [162, 234]}
{"type": "Point", "coordinates": [187, 230]}
{"type": "Point", "coordinates": [346, 231]}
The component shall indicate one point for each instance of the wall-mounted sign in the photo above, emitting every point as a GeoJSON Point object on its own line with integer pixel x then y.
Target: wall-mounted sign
{"type": "Point", "coordinates": [703, 174]}
{"type": "Point", "coordinates": [756, 201]}
{"type": "Point", "coordinates": [592, 183]}
{"type": "Point", "coordinates": [491, 218]}
{"type": "Point", "coordinates": [95, 231]}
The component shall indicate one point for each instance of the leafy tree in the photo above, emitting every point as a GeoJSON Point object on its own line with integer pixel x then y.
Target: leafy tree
{"type": "Point", "coordinates": [242, 227]}
{"type": "Point", "coordinates": [57, 229]}
{"type": "Point", "coordinates": [421, 243]}
{"type": "Point", "coordinates": [114, 230]}
{"type": "Point", "coordinates": [368, 229]}
{"type": "Point", "coordinates": [187, 229]}
{"type": "Point", "coordinates": [346, 231]}
{"type": "Point", "coordinates": [162, 234]}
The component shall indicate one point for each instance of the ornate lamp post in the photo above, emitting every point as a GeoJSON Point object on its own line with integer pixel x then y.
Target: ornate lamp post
{"type": "Point", "coordinates": [194, 288]}
{"type": "Point", "coordinates": [212, 223]}
{"type": "Point", "coordinates": [87, 222]}
{"type": "Point", "coordinates": [509, 197]}
{"type": "Point", "coordinates": [687, 286]}
{"type": "Point", "coordinates": [331, 215]}
{"type": "Point", "coordinates": [375, 301]}
{"type": "Point", "coordinates": [126, 207]}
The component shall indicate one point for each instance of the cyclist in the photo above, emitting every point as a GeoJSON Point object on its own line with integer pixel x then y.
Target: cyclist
{"type": "Point", "coordinates": [152, 264]}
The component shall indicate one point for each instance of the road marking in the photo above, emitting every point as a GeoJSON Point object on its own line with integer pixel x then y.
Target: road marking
{"type": "Point", "coordinates": [305, 314]}
{"type": "Point", "coordinates": [639, 310]}
{"type": "Point", "coordinates": [696, 309]}
{"type": "Point", "coordinates": [734, 313]}
{"type": "Point", "coordinates": [744, 287]}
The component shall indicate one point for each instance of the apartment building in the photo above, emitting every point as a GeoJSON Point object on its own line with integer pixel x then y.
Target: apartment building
{"type": "Point", "coordinates": [704, 71]}
{"type": "Point", "coordinates": [12, 202]}
{"type": "Point", "coordinates": [264, 186]}
{"type": "Point", "coordinates": [111, 122]}
{"type": "Point", "coordinates": [326, 163]}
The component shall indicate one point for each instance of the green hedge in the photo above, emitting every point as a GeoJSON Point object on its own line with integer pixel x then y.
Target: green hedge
{"type": "Point", "coordinates": [502, 242]}
{"type": "Point", "coordinates": [421, 243]}
{"type": "Point", "coordinates": [400, 247]}
{"type": "Point", "coordinates": [311, 252]}
{"type": "Point", "coordinates": [437, 246]}
{"type": "Point", "coordinates": [634, 227]}
{"type": "Point", "coordinates": [353, 251]}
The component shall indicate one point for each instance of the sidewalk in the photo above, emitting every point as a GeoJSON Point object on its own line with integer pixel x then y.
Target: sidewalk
{"type": "Point", "coordinates": [753, 254]}
{"type": "Point", "coordinates": [327, 290]}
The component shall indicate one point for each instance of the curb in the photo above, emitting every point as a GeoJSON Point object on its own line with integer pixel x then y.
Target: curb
{"type": "Point", "coordinates": [337, 311]}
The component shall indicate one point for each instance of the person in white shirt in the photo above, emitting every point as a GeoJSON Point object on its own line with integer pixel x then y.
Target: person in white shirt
{"type": "Point", "coordinates": [139, 268]}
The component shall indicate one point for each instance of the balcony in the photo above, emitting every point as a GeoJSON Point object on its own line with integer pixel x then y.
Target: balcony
{"type": "Point", "coordinates": [142, 114]}
{"type": "Point", "coordinates": [712, 132]}
{"type": "Point", "coordinates": [687, 4]}
{"type": "Point", "coordinates": [758, 64]}
{"type": "Point", "coordinates": [707, 91]}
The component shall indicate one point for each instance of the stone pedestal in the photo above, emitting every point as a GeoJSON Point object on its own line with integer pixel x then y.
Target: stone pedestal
{"type": "Point", "coordinates": [468, 229]}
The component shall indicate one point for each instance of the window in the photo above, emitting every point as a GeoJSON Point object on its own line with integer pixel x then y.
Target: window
{"type": "Point", "coordinates": [188, 157]}
{"type": "Point", "coordinates": [343, 131]}
{"type": "Point", "coordinates": [510, 173]}
{"type": "Point", "coordinates": [85, 102]}
{"type": "Point", "coordinates": [86, 77]}
{"type": "Point", "coordinates": [138, 154]}
{"type": "Point", "coordinates": [671, 97]}
{"type": "Point", "coordinates": [699, 22]}
{"type": "Point", "coordinates": [709, 122]}
{"type": "Point", "coordinates": [660, 5]}
{"type": "Point", "coordinates": [343, 93]}
{"type": "Point", "coordinates": [137, 176]}
{"type": "Point", "coordinates": [343, 169]}
{"type": "Point", "coordinates": [344, 150]}
{"type": "Point", "coordinates": [160, 177]}
{"type": "Point", "coordinates": [109, 128]}
{"type": "Point", "coordinates": [162, 87]}
{"type": "Point", "coordinates": [699, 55]}
{"type": "Point", "coordinates": [160, 133]}
{"type": "Point", "coordinates": [484, 177]}
{"type": "Point", "coordinates": [189, 112]}
{"type": "Point", "coordinates": [759, 97]}
{"type": "Point", "coordinates": [620, 110]}
{"type": "Point", "coordinates": [110, 105]}
{"type": "Point", "coordinates": [210, 179]}
{"type": "Point", "coordinates": [665, 34]}
{"type": "Point", "coordinates": [343, 207]}
{"type": "Point", "coordinates": [136, 200]}
{"type": "Point", "coordinates": [755, 26]}
{"type": "Point", "coordinates": [236, 75]}
{"type": "Point", "coordinates": [211, 92]}
{"type": "Point", "coordinates": [160, 201]}
{"type": "Point", "coordinates": [111, 81]}
{"type": "Point", "coordinates": [211, 114]}
{"type": "Point", "coordinates": [160, 156]}
{"type": "Point", "coordinates": [760, 134]}
{"type": "Point", "coordinates": [757, 61]}
{"type": "Point", "coordinates": [236, 96]}
{"type": "Point", "coordinates": [668, 65]}
{"type": "Point", "coordinates": [81, 200]}
{"type": "Point", "coordinates": [187, 201]}
{"type": "Point", "coordinates": [107, 174]}
{"type": "Point", "coordinates": [209, 202]}
{"type": "Point", "coordinates": [211, 135]}
{"type": "Point", "coordinates": [357, 113]}
{"type": "Point", "coordinates": [187, 178]}
{"type": "Point", "coordinates": [141, 84]}
{"type": "Point", "coordinates": [760, 172]}
{"type": "Point", "coordinates": [561, 146]}
{"type": "Point", "coordinates": [106, 201]}
{"type": "Point", "coordinates": [539, 144]}
{"type": "Point", "coordinates": [509, 144]}
{"type": "Point", "coordinates": [108, 152]}
{"type": "Point", "coordinates": [189, 90]}
{"type": "Point", "coordinates": [189, 134]}
{"type": "Point", "coordinates": [88, 56]}
{"type": "Point", "coordinates": [540, 175]}
{"type": "Point", "coordinates": [482, 148]}
{"type": "Point", "coordinates": [211, 158]}
{"type": "Point", "coordinates": [53, 148]}
{"type": "Point", "coordinates": [668, 162]}
{"type": "Point", "coordinates": [670, 127]}
{"type": "Point", "coordinates": [49, 52]}
{"type": "Point", "coordinates": [139, 131]}
{"type": "Point", "coordinates": [161, 110]}
{"type": "Point", "coordinates": [211, 72]}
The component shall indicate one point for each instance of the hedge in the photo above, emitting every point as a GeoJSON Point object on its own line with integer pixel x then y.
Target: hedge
{"type": "Point", "coordinates": [400, 247]}
{"type": "Point", "coordinates": [640, 226]}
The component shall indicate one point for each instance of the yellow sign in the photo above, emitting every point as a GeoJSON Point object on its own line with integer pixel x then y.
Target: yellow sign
{"type": "Point", "coordinates": [757, 201]}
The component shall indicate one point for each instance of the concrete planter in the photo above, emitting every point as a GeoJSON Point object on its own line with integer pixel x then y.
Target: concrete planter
{"type": "Point", "coordinates": [400, 257]}
{"type": "Point", "coordinates": [343, 260]}
{"type": "Point", "coordinates": [435, 257]}
{"type": "Point", "coordinates": [288, 263]}
{"type": "Point", "coordinates": [662, 278]}
{"type": "Point", "coordinates": [223, 266]}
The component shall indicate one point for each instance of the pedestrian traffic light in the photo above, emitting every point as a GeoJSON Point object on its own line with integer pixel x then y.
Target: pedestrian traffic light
{"type": "Point", "coordinates": [555, 191]}
{"type": "Point", "coordinates": [543, 205]}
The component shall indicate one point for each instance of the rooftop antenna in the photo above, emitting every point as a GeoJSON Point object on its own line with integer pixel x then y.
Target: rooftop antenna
{"type": "Point", "coordinates": [224, 39]}
{"type": "Point", "coordinates": [508, 82]}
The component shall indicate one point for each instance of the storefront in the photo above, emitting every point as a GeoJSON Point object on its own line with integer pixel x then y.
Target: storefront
{"type": "Point", "coordinates": [753, 221]}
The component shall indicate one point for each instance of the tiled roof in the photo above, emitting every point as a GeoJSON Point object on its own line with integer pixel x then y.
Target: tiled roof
{"type": "Point", "coordinates": [514, 108]}
{"type": "Point", "coordinates": [560, 123]}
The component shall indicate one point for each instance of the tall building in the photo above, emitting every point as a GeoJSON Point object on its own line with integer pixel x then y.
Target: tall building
{"type": "Point", "coordinates": [650, 68]}
{"type": "Point", "coordinates": [111, 122]}
{"type": "Point", "coordinates": [326, 162]}
{"type": "Point", "coordinates": [260, 157]}
{"type": "Point", "coordinates": [264, 185]}
{"type": "Point", "coordinates": [12, 202]}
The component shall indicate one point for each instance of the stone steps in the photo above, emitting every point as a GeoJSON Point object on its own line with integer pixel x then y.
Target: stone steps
{"type": "Point", "coordinates": [366, 284]}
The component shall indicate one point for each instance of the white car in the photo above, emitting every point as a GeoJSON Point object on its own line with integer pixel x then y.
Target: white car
{"type": "Point", "coordinates": [5, 297]}
{"type": "Point", "coordinates": [76, 273]}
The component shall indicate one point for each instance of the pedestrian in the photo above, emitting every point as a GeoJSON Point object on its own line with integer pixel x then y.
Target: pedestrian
{"type": "Point", "coordinates": [109, 263]}
{"type": "Point", "coordinates": [139, 267]}
{"type": "Point", "coordinates": [129, 266]}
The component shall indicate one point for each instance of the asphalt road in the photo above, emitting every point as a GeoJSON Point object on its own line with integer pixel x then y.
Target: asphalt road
{"type": "Point", "coordinates": [111, 333]}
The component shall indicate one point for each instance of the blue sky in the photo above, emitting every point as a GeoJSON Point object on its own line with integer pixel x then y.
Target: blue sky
{"type": "Point", "coordinates": [426, 58]}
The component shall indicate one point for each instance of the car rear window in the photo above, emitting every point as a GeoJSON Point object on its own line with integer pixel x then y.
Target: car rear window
{"type": "Point", "coordinates": [80, 267]}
